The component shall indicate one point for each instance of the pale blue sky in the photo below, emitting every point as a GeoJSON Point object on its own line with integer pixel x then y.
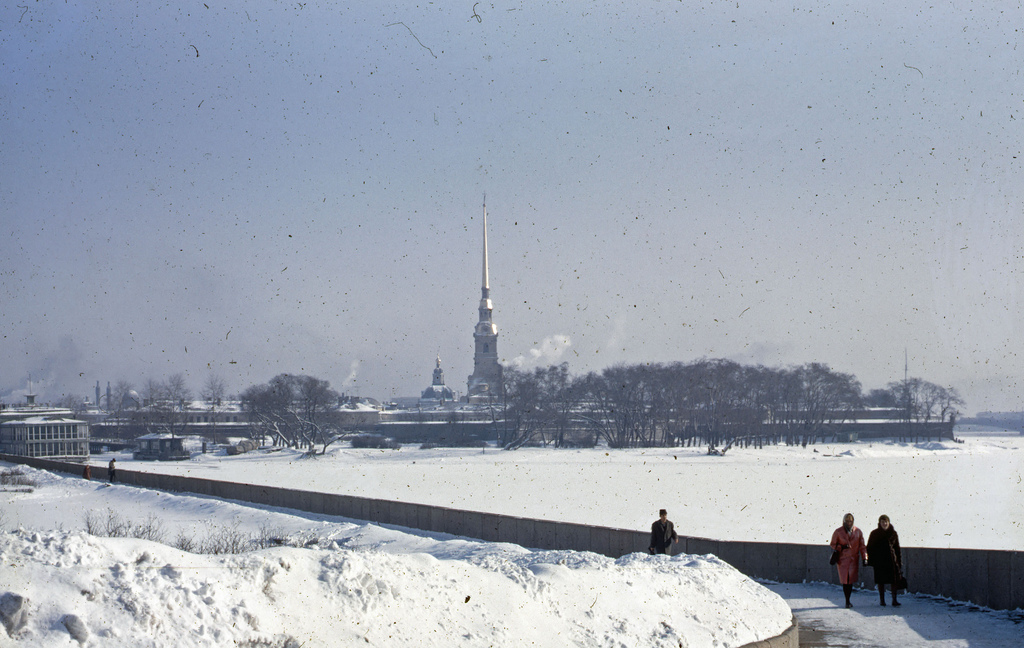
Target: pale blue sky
{"type": "Point", "coordinates": [770, 182]}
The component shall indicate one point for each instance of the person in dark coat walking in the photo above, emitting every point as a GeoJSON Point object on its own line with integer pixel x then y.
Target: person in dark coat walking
{"type": "Point", "coordinates": [111, 469]}
{"type": "Point", "coordinates": [663, 534]}
{"type": "Point", "coordinates": [87, 473]}
{"type": "Point", "coordinates": [885, 556]}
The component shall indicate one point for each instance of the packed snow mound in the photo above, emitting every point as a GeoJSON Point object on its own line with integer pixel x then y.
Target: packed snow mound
{"type": "Point", "coordinates": [129, 592]}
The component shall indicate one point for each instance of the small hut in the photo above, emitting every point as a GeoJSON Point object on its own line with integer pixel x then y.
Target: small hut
{"type": "Point", "coordinates": [160, 447]}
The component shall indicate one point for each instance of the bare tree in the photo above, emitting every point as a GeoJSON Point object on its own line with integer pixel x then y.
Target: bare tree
{"type": "Point", "coordinates": [153, 391]}
{"type": "Point", "coordinates": [165, 406]}
{"type": "Point", "coordinates": [621, 398]}
{"type": "Point", "coordinates": [921, 402]}
{"type": "Point", "coordinates": [120, 402]}
{"type": "Point", "coordinates": [121, 397]}
{"type": "Point", "coordinates": [297, 411]}
{"type": "Point", "coordinates": [950, 403]}
{"type": "Point", "coordinates": [880, 398]}
{"type": "Point", "coordinates": [829, 397]}
{"type": "Point", "coordinates": [176, 389]}
{"type": "Point", "coordinates": [561, 395]}
{"type": "Point", "coordinates": [519, 404]}
{"type": "Point", "coordinates": [76, 404]}
{"type": "Point", "coordinates": [214, 389]}
{"type": "Point", "coordinates": [907, 394]}
{"type": "Point", "coordinates": [318, 405]}
{"type": "Point", "coordinates": [713, 396]}
{"type": "Point", "coordinates": [269, 409]}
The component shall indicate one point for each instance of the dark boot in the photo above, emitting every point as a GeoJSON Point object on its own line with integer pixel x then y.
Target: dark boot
{"type": "Point", "coordinates": [881, 594]}
{"type": "Point", "coordinates": [895, 603]}
{"type": "Point", "coordinates": [847, 590]}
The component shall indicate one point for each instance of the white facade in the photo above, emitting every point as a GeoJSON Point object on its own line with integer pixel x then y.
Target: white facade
{"type": "Point", "coordinates": [42, 436]}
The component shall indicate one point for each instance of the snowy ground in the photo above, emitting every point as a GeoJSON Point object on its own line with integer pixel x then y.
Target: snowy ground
{"type": "Point", "coordinates": [342, 582]}
{"type": "Point", "coordinates": [360, 581]}
{"type": "Point", "coordinates": [938, 494]}
{"type": "Point", "coordinates": [921, 622]}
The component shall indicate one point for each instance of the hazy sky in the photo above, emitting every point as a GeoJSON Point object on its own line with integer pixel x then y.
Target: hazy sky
{"type": "Point", "coordinates": [296, 187]}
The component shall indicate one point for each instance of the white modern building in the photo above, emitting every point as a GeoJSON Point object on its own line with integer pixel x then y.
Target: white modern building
{"type": "Point", "coordinates": [32, 430]}
{"type": "Point", "coordinates": [48, 436]}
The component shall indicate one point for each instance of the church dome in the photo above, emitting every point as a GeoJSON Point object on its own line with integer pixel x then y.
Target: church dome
{"type": "Point", "coordinates": [438, 392]}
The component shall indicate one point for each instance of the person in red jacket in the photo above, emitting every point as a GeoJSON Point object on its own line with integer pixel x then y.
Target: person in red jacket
{"type": "Point", "coordinates": [849, 542]}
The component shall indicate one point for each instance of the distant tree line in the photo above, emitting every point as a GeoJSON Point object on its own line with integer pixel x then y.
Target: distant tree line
{"type": "Point", "coordinates": [292, 410]}
{"type": "Point", "coordinates": [162, 406]}
{"type": "Point", "coordinates": [711, 402]}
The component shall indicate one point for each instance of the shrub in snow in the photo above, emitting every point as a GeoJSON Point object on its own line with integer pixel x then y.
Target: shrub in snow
{"type": "Point", "coordinates": [115, 526]}
{"type": "Point", "coordinates": [76, 627]}
{"type": "Point", "coordinates": [224, 540]}
{"type": "Point", "coordinates": [13, 612]}
{"type": "Point", "coordinates": [228, 541]}
{"type": "Point", "coordinates": [16, 477]}
{"type": "Point", "coordinates": [280, 641]}
{"type": "Point", "coordinates": [185, 542]}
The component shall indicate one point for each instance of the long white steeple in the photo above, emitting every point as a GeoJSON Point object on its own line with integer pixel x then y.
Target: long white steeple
{"type": "Point", "coordinates": [485, 380]}
{"type": "Point", "coordinates": [486, 285]}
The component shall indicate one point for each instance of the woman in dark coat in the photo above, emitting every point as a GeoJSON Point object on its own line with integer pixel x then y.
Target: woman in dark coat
{"type": "Point", "coordinates": [885, 556]}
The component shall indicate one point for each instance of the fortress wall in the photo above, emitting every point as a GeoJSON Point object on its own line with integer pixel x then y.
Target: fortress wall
{"type": "Point", "coordinates": [989, 578]}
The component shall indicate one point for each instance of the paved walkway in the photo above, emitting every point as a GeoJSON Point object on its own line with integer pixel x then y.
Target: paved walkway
{"type": "Point", "coordinates": [921, 622]}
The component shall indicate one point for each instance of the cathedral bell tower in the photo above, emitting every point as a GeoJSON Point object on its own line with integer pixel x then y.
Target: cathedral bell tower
{"type": "Point", "coordinates": [485, 382]}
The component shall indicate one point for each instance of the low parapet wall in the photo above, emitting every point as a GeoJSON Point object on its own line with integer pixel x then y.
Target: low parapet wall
{"type": "Point", "coordinates": [990, 578]}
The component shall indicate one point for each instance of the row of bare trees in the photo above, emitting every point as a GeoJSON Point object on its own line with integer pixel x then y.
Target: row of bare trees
{"type": "Point", "coordinates": [297, 411]}
{"type": "Point", "coordinates": [920, 400]}
{"type": "Point", "coordinates": [161, 406]}
{"type": "Point", "coordinates": [293, 410]}
{"type": "Point", "coordinates": [709, 401]}
{"type": "Point", "coordinates": [123, 395]}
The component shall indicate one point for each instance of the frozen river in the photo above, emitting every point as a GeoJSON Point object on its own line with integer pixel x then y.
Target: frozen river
{"type": "Point", "coordinates": [938, 494]}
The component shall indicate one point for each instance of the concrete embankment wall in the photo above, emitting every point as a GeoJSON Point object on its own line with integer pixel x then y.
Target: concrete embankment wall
{"type": "Point", "coordinates": [989, 578]}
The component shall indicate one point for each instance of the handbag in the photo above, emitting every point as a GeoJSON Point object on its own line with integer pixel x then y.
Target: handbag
{"type": "Point", "coordinates": [901, 582]}
{"type": "Point", "coordinates": [835, 557]}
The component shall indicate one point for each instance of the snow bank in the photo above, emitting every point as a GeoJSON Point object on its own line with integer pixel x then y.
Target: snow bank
{"type": "Point", "coordinates": [141, 593]}
{"type": "Point", "coordinates": [348, 583]}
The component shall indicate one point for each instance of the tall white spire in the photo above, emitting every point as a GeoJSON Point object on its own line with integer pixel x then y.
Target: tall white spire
{"type": "Point", "coordinates": [485, 381]}
{"type": "Point", "coordinates": [486, 285]}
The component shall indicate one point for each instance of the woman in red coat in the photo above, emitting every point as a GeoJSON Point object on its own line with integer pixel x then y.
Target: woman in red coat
{"type": "Point", "coordinates": [849, 542]}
